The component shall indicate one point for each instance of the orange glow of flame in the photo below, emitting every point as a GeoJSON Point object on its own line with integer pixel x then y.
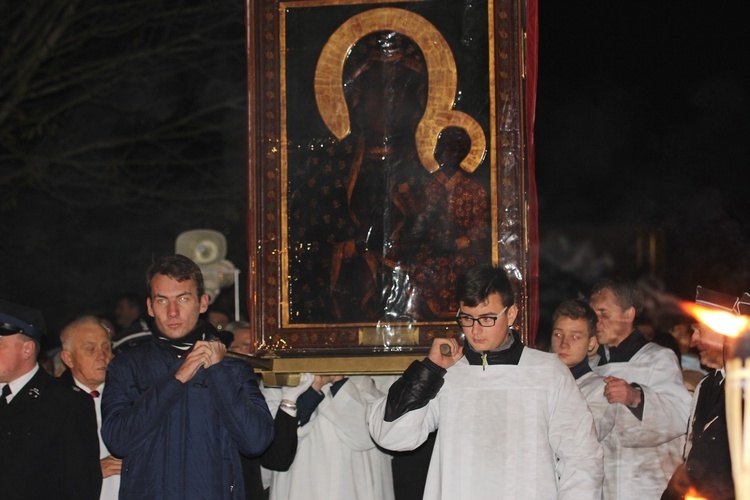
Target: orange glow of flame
{"type": "Point", "coordinates": [723, 322]}
{"type": "Point", "coordinates": [693, 495]}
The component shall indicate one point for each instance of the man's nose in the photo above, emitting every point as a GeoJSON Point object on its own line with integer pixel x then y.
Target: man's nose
{"type": "Point", "coordinates": [172, 309]}
{"type": "Point", "coordinates": [694, 339]}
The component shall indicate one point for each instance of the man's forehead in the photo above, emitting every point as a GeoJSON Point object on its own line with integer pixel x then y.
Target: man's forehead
{"type": "Point", "coordinates": [166, 286]}
{"type": "Point", "coordinates": [494, 298]}
{"type": "Point", "coordinates": [573, 324]}
{"type": "Point", "coordinates": [90, 331]}
{"type": "Point", "coordinates": [704, 328]}
{"type": "Point", "coordinates": [7, 339]}
{"type": "Point", "coordinates": [604, 299]}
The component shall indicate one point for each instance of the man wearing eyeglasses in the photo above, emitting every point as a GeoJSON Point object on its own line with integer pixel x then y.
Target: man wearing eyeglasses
{"type": "Point", "coordinates": [512, 422]}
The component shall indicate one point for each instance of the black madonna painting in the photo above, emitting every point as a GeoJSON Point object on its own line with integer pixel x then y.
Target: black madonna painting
{"type": "Point", "coordinates": [388, 185]}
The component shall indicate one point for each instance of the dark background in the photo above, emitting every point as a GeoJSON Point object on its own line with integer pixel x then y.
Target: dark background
{"type": "Point", "coordinates": [641, 134]}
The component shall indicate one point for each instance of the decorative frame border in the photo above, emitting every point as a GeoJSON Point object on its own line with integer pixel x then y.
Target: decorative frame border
{"type": "Point", "coordinates": [268, 277]}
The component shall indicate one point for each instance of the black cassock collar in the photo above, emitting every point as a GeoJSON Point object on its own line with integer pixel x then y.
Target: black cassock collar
{"type": "Point", "coordinates": [625, 351]}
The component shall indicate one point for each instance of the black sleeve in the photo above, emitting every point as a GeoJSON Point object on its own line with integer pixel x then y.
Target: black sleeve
{"type": "Point", "coordinates": [280, 455]}
{"type": "Point", "coordinates": [638, 410]}
{"type": "Point", "coordinates": [81, 471]}
{"type": "Point", "coordinates": [337, 385]}
{"type": "Point", "coordinates": [306, 404]}
{"type": "Point", "coordinates": [417, 386]}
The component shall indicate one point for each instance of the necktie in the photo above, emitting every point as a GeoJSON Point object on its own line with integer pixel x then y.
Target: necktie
{"type": "Point", "coordinates": [5, 394]}
{"type": "Point", "coordinates": [94, 394]}
{"type": "Point", "coordinates": [717, 386]}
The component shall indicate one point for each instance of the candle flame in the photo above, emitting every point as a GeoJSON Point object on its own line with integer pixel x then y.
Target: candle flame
{"type": "Point", "coordinates": [723, 322]}
{"type": "Point", "coordinates": [693, 495]}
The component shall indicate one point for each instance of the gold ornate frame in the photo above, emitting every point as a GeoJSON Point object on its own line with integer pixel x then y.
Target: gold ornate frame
{"type": "Point", "coordinates": [497, 145]}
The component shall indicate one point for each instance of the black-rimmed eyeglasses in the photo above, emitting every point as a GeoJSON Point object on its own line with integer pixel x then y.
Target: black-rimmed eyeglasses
{"type": "Point", "coordinates": [466, 321]}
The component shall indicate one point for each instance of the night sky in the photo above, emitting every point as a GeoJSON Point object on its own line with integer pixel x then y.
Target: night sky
{"type": "Point", "coordinates": [641, 128]}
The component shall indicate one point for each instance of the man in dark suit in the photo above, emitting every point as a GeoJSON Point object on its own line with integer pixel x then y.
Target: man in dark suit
{"type": "Point", "coordinates": [708, 467]}
{"type": "Point", "coordinates": [48, 445]}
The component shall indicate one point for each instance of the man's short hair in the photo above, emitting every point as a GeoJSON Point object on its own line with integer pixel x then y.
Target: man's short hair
{"type": "Point", "coordinates": [626, 294]}
{"type": "Point", "coordinates": [237, 325]}
{"type": "Point", "coordinates": [476, 285]}
{"type": "Point", "coordinates": [218, 310]}
{"type": "Point", "coordinates": [577, 309]}
{"type": "Point", "coordinates": [179, 268]}
{"type": "Point", "coordinates": [67, 331]}
{"type": "Point", "coordinates": [134, 299]}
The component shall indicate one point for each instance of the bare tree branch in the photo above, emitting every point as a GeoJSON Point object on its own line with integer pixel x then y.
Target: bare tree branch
{"type": "Point", "coordinates": [126, 102]}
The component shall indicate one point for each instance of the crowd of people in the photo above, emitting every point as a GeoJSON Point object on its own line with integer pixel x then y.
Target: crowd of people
{"type": "Point", "coordinates": [157, 410]}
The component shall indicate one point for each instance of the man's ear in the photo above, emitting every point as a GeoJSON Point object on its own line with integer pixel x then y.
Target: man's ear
{"type": "Point", "coordinates": [630, 314]}
{"type": "Point", "coordinates": [149, 308]}
{"type": "Point", "coordinates": [512, 313]}
{"type": "Point", "coordinates": [29, 348]}
{"type": "Point", "coordinates": [593, 344]}
{"type": "Point", "coordinates": [67, 358]}
{"type": "Point", "coordinates": [204, 302]}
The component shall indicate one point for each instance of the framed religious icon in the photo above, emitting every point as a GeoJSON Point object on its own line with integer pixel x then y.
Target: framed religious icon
{"type": "Point", "coordinates": [386, 158]}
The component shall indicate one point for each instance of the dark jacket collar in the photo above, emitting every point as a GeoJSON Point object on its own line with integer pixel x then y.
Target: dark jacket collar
{"type": "Point", "coordinates": [67, 376]}
{"type": "Point", "coordinates": [33, 389]}
{"type": "Point", "coordinates": [203, 331]}
{"type": "Point", "coordinates": [508, 356]}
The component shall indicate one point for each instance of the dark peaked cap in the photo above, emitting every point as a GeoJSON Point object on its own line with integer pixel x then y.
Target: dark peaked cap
{"type": "Point", "coordinates": [717, 300]}
{"type": "Point", "coordinates": [15, 318]}
{"type": "Point", "coordinates": [743, 305]}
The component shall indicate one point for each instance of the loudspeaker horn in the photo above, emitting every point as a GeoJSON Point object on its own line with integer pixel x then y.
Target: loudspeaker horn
{"type": "Point", "coordinates": [202, 246]}
{"type": "Point", "coordinates": [217, 276]}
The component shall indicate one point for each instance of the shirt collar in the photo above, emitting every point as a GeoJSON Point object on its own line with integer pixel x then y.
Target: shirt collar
{"type": "Point", "coordinates": [87, 389]}
{"type": "Point", "coordinates": [19, 383]}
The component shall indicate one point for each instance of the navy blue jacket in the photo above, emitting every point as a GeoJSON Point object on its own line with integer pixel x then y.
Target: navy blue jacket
{"type": "Point", "coordinates": [180, 440]}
